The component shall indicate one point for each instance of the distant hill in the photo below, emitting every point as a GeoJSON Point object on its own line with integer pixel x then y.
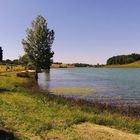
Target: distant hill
{"type": "Point", "coordinates": [130, 65]}
{"type": "Point", "coordinates": [123, 59]}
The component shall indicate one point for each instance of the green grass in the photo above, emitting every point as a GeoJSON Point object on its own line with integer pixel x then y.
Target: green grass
{"type": "Point", "coordinates": [131, 65]}
{"type": "Point", "coordinates": [10, 68]}
{"type": "Point", "coordinates": [30, 115]}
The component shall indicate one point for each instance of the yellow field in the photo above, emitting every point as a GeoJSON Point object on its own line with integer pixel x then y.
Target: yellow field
{"type": "Point", "coordinates": [4, 68]}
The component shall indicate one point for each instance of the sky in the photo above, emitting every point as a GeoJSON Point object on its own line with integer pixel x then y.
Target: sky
{"type": "Point", "coordinates": [86, 31]}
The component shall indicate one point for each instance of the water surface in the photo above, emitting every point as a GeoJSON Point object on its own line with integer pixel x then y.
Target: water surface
{"type": "Point", "coordinates": [117, 85]}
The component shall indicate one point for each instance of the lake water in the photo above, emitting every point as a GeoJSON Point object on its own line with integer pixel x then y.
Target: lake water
{"type": "Point", "coordinates": [115, 85]}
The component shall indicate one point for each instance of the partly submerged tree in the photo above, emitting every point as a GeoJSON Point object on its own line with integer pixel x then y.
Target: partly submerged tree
{"type": "Point", "coordinates": [38, 43]}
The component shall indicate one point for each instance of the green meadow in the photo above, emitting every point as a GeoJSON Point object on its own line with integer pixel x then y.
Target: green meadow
{"type": "Point", "coordinates": [30, 113]}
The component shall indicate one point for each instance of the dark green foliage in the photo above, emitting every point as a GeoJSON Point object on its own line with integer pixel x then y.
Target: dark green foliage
{"type": "Point", "coordinates": [11, 62]}
{"type": "Point", "coordinates": [1, 54]}
{"type": "Point", "coordinates": [15, 61]}
{"type": "Point", "coordinates": [7, 135]}
{"type": "Point", "coordinates": [57, 63]}
{"type": "Point", "coordinates": [38, 43]}
{"type": "Point", "coordinates": [123, 59]}
{"type": "Point", "coordinates": [7, 61]}
{"type": "Point", "coordinates": [82, 65]}
{"type": "Point", "coordinates": [25, 61]}
{"type": "Point", "coordinates": [99, 65]}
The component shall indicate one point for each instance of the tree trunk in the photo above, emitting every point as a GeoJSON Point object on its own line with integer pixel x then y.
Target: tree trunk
{"type": "Point", "coordinates": [36, 75]}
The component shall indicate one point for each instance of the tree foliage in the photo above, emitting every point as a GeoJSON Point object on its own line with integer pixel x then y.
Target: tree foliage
{"type": "Point", "coordinates": [11, 62]}
{"type": "Point", "coordinates": [1, 54]}
{"type": "Point", "coordinates": [38, 43]}
{"type": "Point", "coordinates": [25, 61]}
{"type": "Point", "coordinates": [123, 59]}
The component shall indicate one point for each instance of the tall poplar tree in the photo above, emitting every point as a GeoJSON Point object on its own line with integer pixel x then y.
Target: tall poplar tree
{"type": "Point", "coordinates": [37, 44]}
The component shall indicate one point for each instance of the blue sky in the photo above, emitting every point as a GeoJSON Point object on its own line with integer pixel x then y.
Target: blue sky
{"type": "Point", "coordinates": [88, 31]}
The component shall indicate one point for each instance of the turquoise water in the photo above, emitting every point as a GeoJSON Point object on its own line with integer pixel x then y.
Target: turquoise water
{"type": "Point", "coordinates": [116, 85]}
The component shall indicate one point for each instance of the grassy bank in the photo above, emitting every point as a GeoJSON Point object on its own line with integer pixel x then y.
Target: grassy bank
{"type": "Point", "coordinates": [27, 113]}
{"type": "Point", "coordinates": [10, 68]}
{"type": "Point", "coordinates": [131, 65]}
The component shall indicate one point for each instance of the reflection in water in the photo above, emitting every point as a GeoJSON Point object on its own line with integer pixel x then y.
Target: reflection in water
{"type": "Point", "coordinates": [44, 80]}
{"type": "Point", "coordinates": [47, 76]}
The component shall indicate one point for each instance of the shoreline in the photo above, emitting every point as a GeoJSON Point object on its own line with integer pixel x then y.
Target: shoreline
{"type": "Point", "coordinates": [113, 102]}
{"type": "Point", "coordinates": [29, 112]}
{"type": "Point", "coordinates": [123, 109]}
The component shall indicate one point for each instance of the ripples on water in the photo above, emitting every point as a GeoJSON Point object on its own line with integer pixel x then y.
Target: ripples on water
{"type": "Point", "coordinates": [117, 85]}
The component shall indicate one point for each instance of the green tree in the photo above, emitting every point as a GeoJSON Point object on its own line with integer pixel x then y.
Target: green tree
{"type": "Point", "coordinates": [123, 59]}
{"type": "Point", "coordinates": [24, 60]}
{"type": "Point", "coordinates": [1, 54]}
{"type": "Point", "coordinates": [38, 43]}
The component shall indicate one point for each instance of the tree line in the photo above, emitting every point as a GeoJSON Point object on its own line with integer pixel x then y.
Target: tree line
{"type": "Point", "coordinates": [82, 65]}
{"type": "Point", "coordinates": [123, 59]}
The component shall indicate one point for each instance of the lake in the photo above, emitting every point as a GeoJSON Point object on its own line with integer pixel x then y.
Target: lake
{"type": "Point", "coordinates": [114, 85]}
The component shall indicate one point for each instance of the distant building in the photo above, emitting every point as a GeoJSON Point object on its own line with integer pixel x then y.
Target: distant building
{"type": "Point", "coordinates": [1, 54]}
